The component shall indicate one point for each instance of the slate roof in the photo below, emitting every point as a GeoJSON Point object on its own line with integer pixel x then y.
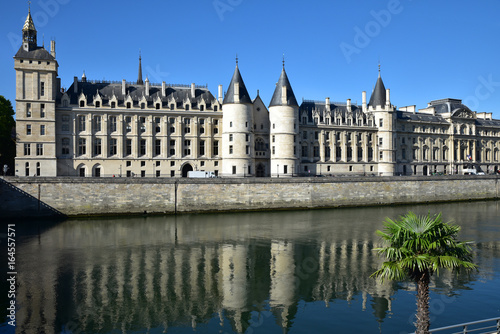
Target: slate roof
{"type": "Point", "coordinates": [421, 117]}
{"type": "Point", "coordinates": [378, 94]}
{"type": "Point", "coordinates": [244, 96]}
{"type": "Point", "coordinates": [335, 108]}
{"type": "Point", "coordinates": [38, 53]}
{"type": "Point", "coordinates": [106, 90]}
{"type": "Point", "coordinates": [276, 100]}
{"type": "Point", "coordinates": [448, 106]}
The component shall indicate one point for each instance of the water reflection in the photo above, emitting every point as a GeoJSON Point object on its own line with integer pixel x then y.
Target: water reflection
{"type": "Point", "coordinates": [220, 273]}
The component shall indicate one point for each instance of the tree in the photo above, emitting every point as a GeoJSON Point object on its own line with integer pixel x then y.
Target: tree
{"type": "Point", "coordinates": [7, 143]}
{"type": "Point", "coordinates": [416, 247]}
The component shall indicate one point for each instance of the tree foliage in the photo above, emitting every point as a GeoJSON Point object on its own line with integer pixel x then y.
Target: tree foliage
{"type": "Point", "coordinates": [7, 142]}
{"type": "Point", "coordinates": [416, 247]}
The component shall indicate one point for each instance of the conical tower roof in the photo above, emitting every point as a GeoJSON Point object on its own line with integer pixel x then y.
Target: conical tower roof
{"type": "Point", "coordinates": [243, 93]}
{"type": "Point", "coordinates": [277, 99]}
{"type": "Point", "coordinates": [139, 76]}
{"type": "Point", "coordinates": [29, 25]}
{"type": "Point", "coordinates": [378, 97]}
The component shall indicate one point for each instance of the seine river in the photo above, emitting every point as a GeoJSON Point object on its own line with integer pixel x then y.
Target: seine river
{"type": "Point", "coordinates": [262, 272]}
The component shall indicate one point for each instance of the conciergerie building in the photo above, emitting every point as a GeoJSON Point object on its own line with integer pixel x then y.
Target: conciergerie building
{"type": "Point", "coordinates": [143, 129]}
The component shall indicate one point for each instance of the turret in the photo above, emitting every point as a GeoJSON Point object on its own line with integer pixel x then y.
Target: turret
{"type": "Point", "coordinates": [283, 116]}
{"type": "Point", "coordinates": [237, 135]}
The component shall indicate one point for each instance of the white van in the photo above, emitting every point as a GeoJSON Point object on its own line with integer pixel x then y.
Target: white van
{"type": "Point", "coordinates": [201, 174]}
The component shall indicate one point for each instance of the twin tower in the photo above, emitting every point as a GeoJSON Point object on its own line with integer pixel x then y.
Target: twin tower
{"type": "Point", "coordinates": [274, 132]}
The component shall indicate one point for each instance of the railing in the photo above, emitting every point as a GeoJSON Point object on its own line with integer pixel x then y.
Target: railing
{"type": "Point", "coordinates": [488, 326]}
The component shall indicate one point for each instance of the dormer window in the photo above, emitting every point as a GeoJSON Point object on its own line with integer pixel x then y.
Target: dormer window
{"type": "Point", "coordinates": [113, 104]}
{"type": "Point", "coordinates": [97, 104]}
{"type": "Point", "coordinates": [202, 107]}
{"type": "Point", "coordinates": [187, 107]}
{"type": "Point", "coordinates": [82, 103]}
{"type": "Point", "coordinates": [157, 106]}
{"type": "Point", "coordinates": [129, 105]}
{"type": "Point", "coordinates": [143, 105]}
{"type": "Point", "coordinates": [215, 108]}
{"type": "Point", "coordinates": [172, 107]}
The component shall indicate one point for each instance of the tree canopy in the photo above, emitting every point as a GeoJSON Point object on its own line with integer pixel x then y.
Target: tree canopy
{"type": "Point", "coordinates": [7, 142]}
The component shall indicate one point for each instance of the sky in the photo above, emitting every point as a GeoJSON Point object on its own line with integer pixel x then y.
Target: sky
{"type": "Point", "coordinates": [427, 50]}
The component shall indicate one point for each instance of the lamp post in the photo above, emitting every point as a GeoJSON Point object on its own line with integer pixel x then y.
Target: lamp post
{"type": "Point", "coordinates": [278, 171]}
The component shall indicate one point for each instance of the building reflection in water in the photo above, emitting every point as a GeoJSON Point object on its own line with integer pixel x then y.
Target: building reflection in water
{"type": "Point", "coordinates": [159, 272]}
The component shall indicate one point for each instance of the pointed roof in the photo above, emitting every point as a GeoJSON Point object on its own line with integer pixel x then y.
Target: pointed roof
{"type": "Point", "coordinates": [29, 25]}
{"type": "Point", "coordinates": [139, 77]}
{"type": "Point", "coordinates": [378, 94]}
{"type": "Point", "coordinates": [278, 92]}
{"type": "Point", "coordinates": [243, 93]}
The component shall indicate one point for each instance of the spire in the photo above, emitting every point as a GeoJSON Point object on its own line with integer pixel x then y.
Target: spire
{"type": "Point", "coordinates": [29, 32]}
{"type": "Point", "coordinates": [378, 97]}
{"type": "Point", "coordinates": [283, 87]}
{"type": "Point", "coordinates": [139, 78]}
{"type": "Point", "coordinates": [241, 91]}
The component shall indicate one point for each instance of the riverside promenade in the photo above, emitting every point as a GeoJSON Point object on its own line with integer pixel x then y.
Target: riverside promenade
{"type": "Point", "coordinates": [73, 196]}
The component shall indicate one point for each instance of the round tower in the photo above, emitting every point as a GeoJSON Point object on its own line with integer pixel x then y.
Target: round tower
{"type": "Point", "coordinates": [283, 117]}
{"type": "Point", "coordinates": [385, 118]}
{"type": "Point", "coordinates": [237, 136]}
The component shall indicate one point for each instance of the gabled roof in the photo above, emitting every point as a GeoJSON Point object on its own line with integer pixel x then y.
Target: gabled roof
{"type": "Point", "coordinates": [276, 100]}
{"type": "Point", "coordinates": [39, 53]}
{"type": "Point", "coordinates": [243, 93]}
{"type": "Point", "coordinates": [378, 94]}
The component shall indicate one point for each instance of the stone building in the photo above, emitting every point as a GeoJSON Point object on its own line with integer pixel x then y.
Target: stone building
{"type": "Point", "coordinates": [125, 129]}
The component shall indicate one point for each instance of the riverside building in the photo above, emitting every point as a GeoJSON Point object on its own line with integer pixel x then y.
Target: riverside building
{"type": "Point", "coordinates": [144, 129]}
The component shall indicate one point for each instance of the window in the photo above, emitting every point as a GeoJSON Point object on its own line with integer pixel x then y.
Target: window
{"type": "Point", "coordinates": [27, 149]}
{"type": "Point", "coordinates": [97, 104]}
{"type": "Point", "coordinates": [273, 150]}
{"type": "Point", "coordinates": [172, 106]}
{"type": "Point", "coordinates": [65, 146]}
{"type": "Point", "coordinates": [39, 149]}
{"type": "Point", "coordinates": [112, 123]}
{"type": "Point", "coordinates": [216, 147]}
{"type": "Point", "coordinates": [42, 88]}
{"type": "Point", "coordinates": [28, 129]}
{"type": "Point", "coordinates": [65, 123]}
{"type": "Point", "coordinates": [143, 124]}
{"type": "Point", "coordinates": [304, 151]}
{"type": "Point", "coordinates": [172, 147]}
{"type": "Point", "coordinates": [28, 109]}
{"type": "Point", "coordinates": [97, 146]}
{"type": "Point", "coordinates": [142, 147]}
{"type": "Point", "coordinates": [97, 123]}
{"type": "Point", "coordinates": [128, 126]}
{"type": "Point", "coordinates": [231, 124]}
{"type": "Point", "coordinates": [82, 146]}
{"type": "Point", "coordinates": [113, 104]}
{"type": "Point", "coordinates": [234, 169]}
{"type": "Point", "coordinates": [81, 123]}
{"type": "Point", "coordinates": [380, 141]}
{"type": "Point", "coordinates": [129, 105]}
{"type": "Point", "coordinates": [304, 135]}
{"type": "Point", "coordinates": [42, 110]}
{"type": "Point", "coordinates": [172, 163]}
{"type": "Point", "coordinates": [215, 108]}
{"type": "Point", "coordinates": [230, 137]}
{"type": "Point", "coordinates": [247, 149]}
{"type": "Point", "coordinates": [143, 163]}
{"type": "Point", "coordinates": [187, 123]}
{"type": "Point", "coordinates": [381, 156]}
{"type": "Point", "coordinates": [112, 146]}
{"type": "Point", "coordinates": [274, 138]}
{"type": "Point", "coordinates": [230, 149]}
{"type": "Point", "coordinates": [187, 147]}
{"type": "Point", "coordinates": [27, 169]}
{"type": "Point", "coordinates": [128, 148]}
{"type": "Point", "coordinates": [82, 103]}
{"type": "Point", "coordinates": [157, 106]}
{"type": "Point", "coordinates": [42, 130]}
{"type": "Point", "coordinates": [157, 147]}
{"type": "Point", "coordinates": [316, 151]}
{"type": "Point", "coordinates": [202, 147]}
{"type": "Point", "coordinates": [157, 125]}
{"type": "Point", "coordinates": [381, 122]}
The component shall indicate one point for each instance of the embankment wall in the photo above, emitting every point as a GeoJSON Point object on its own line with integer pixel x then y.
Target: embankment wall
{"type": "Point", "coordinates": [109, 196]}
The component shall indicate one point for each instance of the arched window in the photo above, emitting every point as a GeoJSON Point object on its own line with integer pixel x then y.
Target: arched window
{"type": "Point", "coordinates": [82, 103]}
{"type": "Point", "coordinates": [129, 105]}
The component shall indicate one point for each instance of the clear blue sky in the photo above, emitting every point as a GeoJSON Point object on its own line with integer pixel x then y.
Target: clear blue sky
{"type": "Point", "coordinates": [427, 49]}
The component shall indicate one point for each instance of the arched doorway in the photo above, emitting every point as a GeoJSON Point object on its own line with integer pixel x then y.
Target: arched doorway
{"type": "Point", "coordinates": [185, 169]}
{"type": "Point", "coordinates": [261, 170]}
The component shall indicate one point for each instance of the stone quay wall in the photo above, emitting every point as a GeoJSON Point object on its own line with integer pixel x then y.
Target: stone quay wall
{"type": "Point", "coordinates": [120, 196]}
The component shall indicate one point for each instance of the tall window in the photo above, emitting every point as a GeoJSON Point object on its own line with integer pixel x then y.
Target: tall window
{"type": "Point", "coordinates": [202, 147]}
{"type": "Point", "coordinates": [128, 126]}
{"type": "Point", "coordinates": [215, 147]}
{"type": "Point", "coordinates": [27, 149]}
{"type": "Point", "coordinates": [39, 149]}
{"type": "Point", "coordinates": [172, 147]}
{"type": "Point", "coordinates": [157, 147]}
{"type": "Point", "coordinates": [42, 88]}
{"type": "Point", "coordinates": [65, 123]}
{"type": "Point", "coordinates": [82, 145]}
{"type": "Point", "coordinates": [28, 109]}
{"type": "Point", "coordinates": [143, 147]}
{"type": "Point", "coordinates": [128, 147]}
{"type": "Point", "coordinates": [42, 110]}
{"type": "Point", "coordinates": [157, 125]}
{"type": "Point", "coordinates": [42, 130]}
{"type": "Point", "coordinates": [187, 147]}
{"type": "Point", "coordinates": [97, 146]}
{"type": "Point", "coordinates": [28, 129]}
{"type": "Point", "coordinates": [143, 124]}
{"type": "Point", "coordinates": [81, 123]}
{"type": "Point", "coordinates": [65, 146]}
{"type": "Point", "coordinates": [112, 124]}
{"type": "Point", "coordinates": [112, 146]}
{"type": "Point", "coordinates": [97, 123]}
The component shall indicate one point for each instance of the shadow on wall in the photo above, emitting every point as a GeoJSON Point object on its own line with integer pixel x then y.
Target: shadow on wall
{"type": "Point", "coordinates": [16, 203]}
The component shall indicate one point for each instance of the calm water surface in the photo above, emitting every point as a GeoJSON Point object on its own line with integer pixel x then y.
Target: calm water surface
{"type": "Point", "coordinates": [272, 272]}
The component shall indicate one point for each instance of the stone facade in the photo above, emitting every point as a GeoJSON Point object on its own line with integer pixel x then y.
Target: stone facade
{"type": "Point", "coordinates": [126, 129]}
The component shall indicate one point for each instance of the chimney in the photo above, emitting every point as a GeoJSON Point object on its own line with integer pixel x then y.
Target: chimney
{"type": "Point", "coordinates": [349, 105]}
{"type": "Point", "coordinates": [146, 90]}
{"type": "Point", "coordinates": [53, 48]}
{"type": "Point", "coordinates": [236, 92]}
{"type": "Point", "coordinates": [75, 85]}
{"type": "Point", "coordinates": [193, 90]}
{"type": "Point", "coordinates": [364, 101]}
{"type": "Point", "coordinates": [327, 104]}
{"type": "Point", "coordinates": [284, 99]}
{"type": "Point", "coordinates": [387, 97]}
{"type": "Point", "coordinates": [163, 89]}
{"type": "Point", "coordinates": [220, 94]}
{"type": "Point", "coordinates": [124, 87]}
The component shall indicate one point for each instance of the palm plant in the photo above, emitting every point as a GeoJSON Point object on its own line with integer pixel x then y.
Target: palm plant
{"type": "Point", "coordinates": [417, 247]}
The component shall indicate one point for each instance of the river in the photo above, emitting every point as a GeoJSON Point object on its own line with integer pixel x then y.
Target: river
{"type": "Point", "coordinates": [260, 272]}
